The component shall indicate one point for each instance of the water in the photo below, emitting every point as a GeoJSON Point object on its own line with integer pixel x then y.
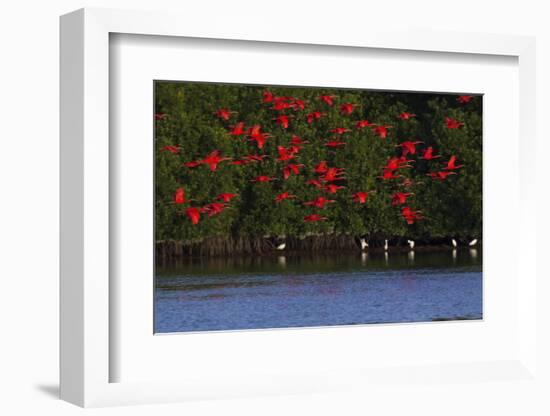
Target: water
{"type": "Point", "coordinates": [320, 290]}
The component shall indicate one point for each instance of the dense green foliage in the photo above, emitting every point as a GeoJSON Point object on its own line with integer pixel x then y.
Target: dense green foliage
{"type": "Point", "coordinates": [452, 207]}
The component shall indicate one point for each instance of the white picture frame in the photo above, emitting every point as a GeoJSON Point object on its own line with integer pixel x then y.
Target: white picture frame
{"type": "Point", "coordinates": [86, 355]}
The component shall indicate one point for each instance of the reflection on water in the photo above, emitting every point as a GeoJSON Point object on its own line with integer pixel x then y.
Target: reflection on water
{"type": "Point", "coordinates": [292, 290]}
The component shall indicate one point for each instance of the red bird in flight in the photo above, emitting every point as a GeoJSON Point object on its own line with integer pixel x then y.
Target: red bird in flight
{"type": "Point", "coordinates": [298, 104]}
{"type": "Point", "coordinates": [328, 99]}
{"type": "Point", "coordinates": [213, 159]}
{"type": "Point", "coordinates": [360, 197]}
{"type": "Point", "coordinates": [363, 123]}
{"type": "Point", "coordinates": [267, 97]}
{"type": "Point", "coordinates": [332, 188]}
{"type": "Point", "coordinates": [263, 178]}
{"type": "Point", "coordinates": [161, 116]}
{"type": "Point", "coordinates": [400, 198]}
{"type": "Point", "coordinates": [451, 123]}
{"type": "Point", "coordinates": [237, 129]}
{"type": "Point", "coordinates": [285, 154]}
{"type": "Point", "coordinates": [225, 197]}
{"type": "Point", "coordinates": [340, 130]}
{"type": "Point", "coordinates": [224, 113]}
{"type": "Point", "coordinates": [381, 131]}
{"type": "Point", "coordinates": [179, 196]}
{"type": "Point", "coordinates": [284, 196]}
{"type": "Point", "coordinates": [194, 215]}
{"type": "Point", "coordinates": [440, 176]}
{"type": "Point", "coordinates": [315, 115]}
{"type": "Point", "coordinates": [314, 218]}
{"type": "Point", "coordinates": [410, 216]}
{"type": "Point", "coordinates": [320, 202]}
{"type": "Point", "coordinates": [333, 174]}
{"type": "Point", "coordinates": [428, 154]}
{"type": "Point", "coordinates": [297, 141]}
{"type": "Point", "coordinates": [406, 116]}
{"type": "Point", "coordinates": [347, 108]}
{"type": "Point", "coordinates": [282, 121]}
{"type": "Point", "coordinates": [193, 163]}
{"type": "Point", "coordinates": [214, 208]}
{"type": "Point", "coordinates": [315, 183]}
{"type": "Point", "coordinates": [291, 169]}
{"type": "Point", "coordinates": [464, 99]}
{"type": "Point", "coordinates": [321, 167]}
{"type": "Point", "coordinates": [171, 149]}
{"type": "Point", "coordinates": [409, 147]}
{"type": "Point", "coordinates": [451, 164]}
{"type": "Point", "coordinates": [335, 143]}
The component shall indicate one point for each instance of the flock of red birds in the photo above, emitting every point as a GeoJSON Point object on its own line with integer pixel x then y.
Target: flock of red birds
{"type": "Point", "coordinates": [327, 177]}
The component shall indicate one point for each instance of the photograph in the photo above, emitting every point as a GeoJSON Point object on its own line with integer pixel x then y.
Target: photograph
{"type": "Point", "coordinates": [305, 206]}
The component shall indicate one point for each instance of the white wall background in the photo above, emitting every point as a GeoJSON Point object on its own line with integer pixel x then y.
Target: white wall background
{"type": "Point", "coordinates": [29, 204]}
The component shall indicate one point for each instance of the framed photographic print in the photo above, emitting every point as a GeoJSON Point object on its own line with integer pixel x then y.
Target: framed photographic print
{"type": "Point", "coordinates": [270, 214]}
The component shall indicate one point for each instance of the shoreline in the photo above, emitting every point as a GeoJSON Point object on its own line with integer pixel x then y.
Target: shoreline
{"type": "Point", "coordinates": [169, 250]}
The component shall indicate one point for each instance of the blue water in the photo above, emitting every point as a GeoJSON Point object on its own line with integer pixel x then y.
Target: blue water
{"type": "Point", "coordinates": [298, 291]}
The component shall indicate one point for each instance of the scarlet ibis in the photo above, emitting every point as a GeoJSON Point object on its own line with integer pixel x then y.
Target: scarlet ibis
{"type": "Point", "coordinates": [320, 202]}
{"type": "Point", "coordinates": [473, 242]}
{"type": "Point", "coordinates": [283, 121]}
{"type": "Point", "coordinates": [297, 141]}
{"type": "Point", "coordinates": [179, 196]}
{"type": "Point", "coordinates": [451, 123]}
{"type": "Point", "coordinates": [290, 169]}
{"type": "Point", "coordinates": [315, 183]}
{"type": "Point", "coordinates": [340, 130]}
{"type": "Point", "coordinates": [333, 174]}
{"type": "Point", "coordinates": [451, 164]}
{"type": "Point", "coordinates": [213, 159]}
{"type": "Point", "coordinates": [192, 164]}
{"type": "Point", "coordinates": [406, 115]}
{"type": "Point", "coordinates": [314, 218]}
{"type": "Point", "coordinates": [428, 154]}
{"type": "Point", "coordinates": [464, 99]}
{"type": "Point", "coordinates": [255, 129]}
{"type": "Point", "coordinates": [298, 104]}
{"type": "Point", "coordinates": [360, 197]}
{"type": "Point", "coordinates": [283, 196]}
{"type": "Point", "coordinates": [263, 178]}
{"type": "Point", "coordinates": [255, 158]}
{"type": "Point", "coordinates": [347, 108]}
{"type": "Point", "coordinates": [395, 163]}
{"type": "Point", "coordinates": [267, 97]}
{"type": "Point", "coordinates": [328, 99]}
{"type": "Point", "coordinates": [332, 188]}
{"type": "Point", "coordinates": [226, 197]}
{"type": "Point", "coordinates": [260, 139]}
{"type": "Point", "coordinates": [363, 123]}
{"type": "Point", "coordinates": [409, 147]}
{"type": "Point", "coordinates": [237, 129]}
{"type": "Point", "coordinates": [194, 214]}
{"type": "Point", "coordinates": [410, 216]}
{"type": "Point", "coordinates": [321, 167]}
{"type": "Point", "coordinates": [334, 144]}
{"type": "Point", "coordinates": [440, 176]}
{"type": "Point", "coordinates": [280, 105]}
{"type": "Point", "coordinates": [381, 131]}
{"type": "Point", "coordinates": [239, 162]}
{"type": "Point", "coordinates": [171, 149]}
{"type": "Point", "coordinates": [214, 208]}
{"type": "Point", "coordinates": [224, 113]}
{"type": "Point", "coordinates": [400, 198]}
{"type": "Point", "coordinates": [390, 174]}
{"type": "Point", "coordinates": [315, 115]}
{"type": "Point", "coordinates": [285, 154]}
{"type": "Point", "coordinates": [161, 116]}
